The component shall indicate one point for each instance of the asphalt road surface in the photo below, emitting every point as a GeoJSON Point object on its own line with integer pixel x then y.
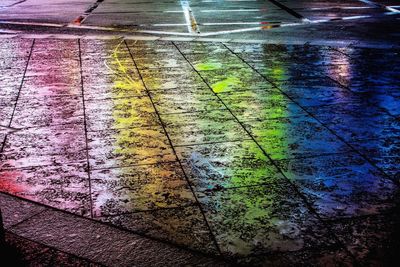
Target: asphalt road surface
{"type": "Point", "coordinates": [349, 21]}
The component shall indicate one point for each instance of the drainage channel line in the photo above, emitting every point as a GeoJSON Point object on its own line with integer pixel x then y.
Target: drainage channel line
{"type": "Point", "coordinates": [193, 27]}
{"type": "Point", "coordinates": [79, 20]}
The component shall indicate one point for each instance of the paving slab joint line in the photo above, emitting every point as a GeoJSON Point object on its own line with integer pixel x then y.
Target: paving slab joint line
{"type": "Point", "coordinates": [25, 220]}
{"type": "Point", "coordinates": [355, 93]}
{"type": "Point", "coordinates": [343, 53]}
{"type": "Point", "coordinates": [67, 214]}
{"type": "Point", "coordinates": [3, 144]}
{"type": "Point", "coordinates": [308, 205]}
{"type": "Point", "coordinates": [85, 127]}
{"type": "Point", "coordinates": [146, 211]}
{"type": "Point", "coordinates": [173, 149]}
{"type": "Point", "coordinates": [9, 130]}
{"type": "Point", "coordinates": [14, 4]}
{"type": "Point", "coordinates": [10, 228]}
{"type": "Point", "coordinates": [52, 248]}
{"type": "Point", "coordinates": [395, 181]}
{"type": "Point", "coordinates": [22, 81]}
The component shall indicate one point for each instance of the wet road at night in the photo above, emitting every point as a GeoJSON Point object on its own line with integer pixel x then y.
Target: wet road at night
{"type": "Point", "coordinates": [347, 22]}
{"type": "Point", "coordinates": [263, 133]}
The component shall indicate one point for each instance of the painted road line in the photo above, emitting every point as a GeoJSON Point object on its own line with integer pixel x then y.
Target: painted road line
{"type": "Point", "coordinates": [259, 28]}
{"type": "Point", "coordinates": [79, 20]}
{"type": "Point", "coordinates": [189, 34]}
{"type": "Point", "coordinates": [193, 27]}
{"type": "Point", "coordinates": [302, 23]}
{"type": "Point", "coordinates": [378, 5]}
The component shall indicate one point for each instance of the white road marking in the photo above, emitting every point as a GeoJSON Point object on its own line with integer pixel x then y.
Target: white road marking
{"type": "Point", "coordinates": [113, 36]}
{"type": "Point", "coordinates": [189, 17]}
{"type": "Point", "coordinates": [80, 19]}
{"type": "Point", "coordinates": [356, 17]}
{"type": "Point", "coordinates": [193, 26]}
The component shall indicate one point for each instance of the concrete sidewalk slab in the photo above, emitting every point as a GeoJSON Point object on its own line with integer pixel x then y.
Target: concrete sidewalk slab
{"type": "Point", "coordinates": [90, 240]}
{"type": "Point", "coordinates": [256, 152]}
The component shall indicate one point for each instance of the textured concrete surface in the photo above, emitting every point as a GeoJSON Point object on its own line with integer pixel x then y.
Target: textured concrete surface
{"type": "Point", "coordinates": [23, 252]}
{"type": "Point", "coordinates": [15, 211]}
{"type": "Point", "coordinates": [103, 244]}
{"type": "Point", "coordinates": [47, 237]}
{"type": "Point", "coordinates": [233, 150]}
{"type": "Point", "coordinates": [200, 133]}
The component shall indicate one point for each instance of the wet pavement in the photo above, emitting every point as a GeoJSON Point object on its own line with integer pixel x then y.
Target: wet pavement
{"type": "Point", "coordinates": [258, 153]}
{"type": "Point", "coordinates": [326, 22]}
{"type": "Point", "coordinates": [204, 133]}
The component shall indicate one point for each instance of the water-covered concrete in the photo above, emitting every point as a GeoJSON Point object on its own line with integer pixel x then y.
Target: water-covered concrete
{"type": "Point", "coordinates": [275, 154]}
{"type": "Point", "coordinates": [170, 133]}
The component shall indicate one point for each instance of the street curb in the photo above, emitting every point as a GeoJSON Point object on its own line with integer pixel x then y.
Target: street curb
{"type": "Point", "coordinates": [92, 240]}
